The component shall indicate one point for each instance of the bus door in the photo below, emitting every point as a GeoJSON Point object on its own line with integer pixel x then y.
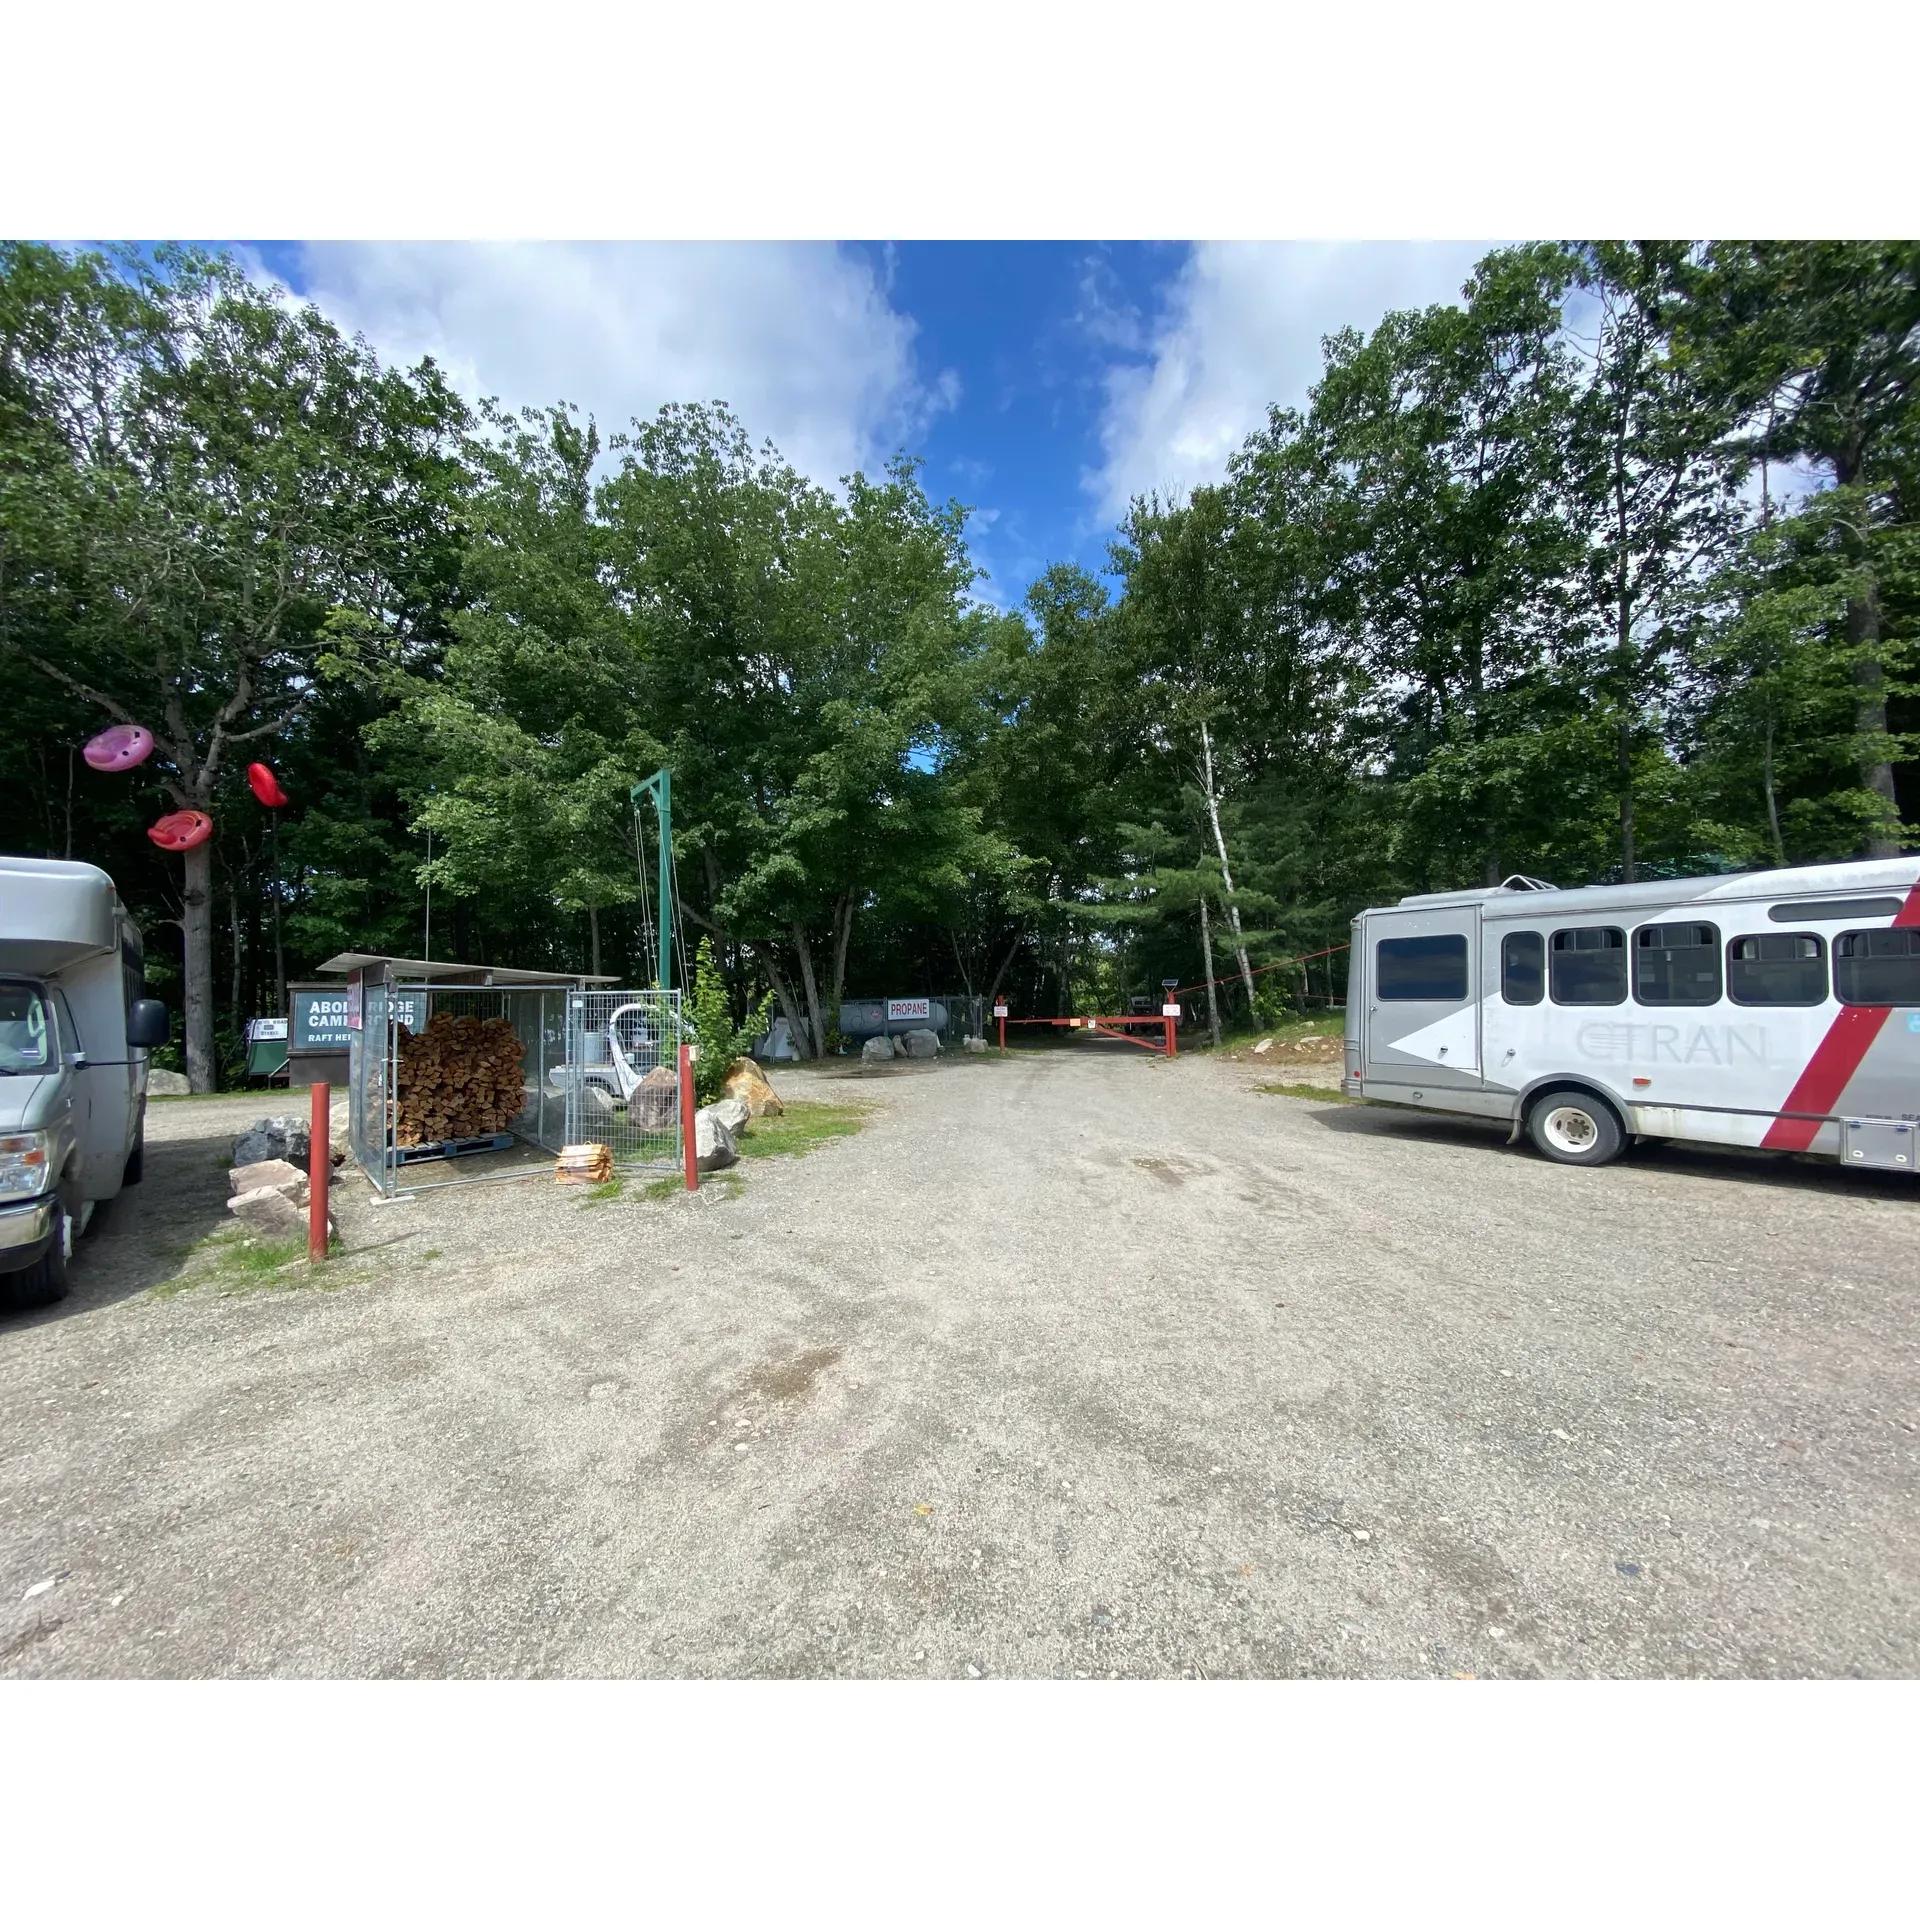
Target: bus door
{"type": "Point", "coordinates": [1423, 997]}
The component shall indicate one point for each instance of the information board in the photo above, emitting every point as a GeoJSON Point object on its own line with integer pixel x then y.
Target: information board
{"type": "Point", "coordinates": [322, 1017]}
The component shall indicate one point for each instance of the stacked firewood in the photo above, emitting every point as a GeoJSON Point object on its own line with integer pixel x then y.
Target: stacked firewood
{"type": "Point", "coordinates": [459, 1078]}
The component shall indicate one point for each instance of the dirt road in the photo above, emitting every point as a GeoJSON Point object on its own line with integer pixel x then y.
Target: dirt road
{"type": "Point", "coordinates": [1082, 1364]}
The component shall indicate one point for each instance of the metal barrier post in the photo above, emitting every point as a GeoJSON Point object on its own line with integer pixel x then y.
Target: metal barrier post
{"type": "Point", "coordinates": [1170, 1013]}
{"type": "Point", "coordinates": [319, 1170]}
{"type": "Point", "coordinates": [1000, 1014]}
{"type": "Point", "coordinates": [689, 1148]}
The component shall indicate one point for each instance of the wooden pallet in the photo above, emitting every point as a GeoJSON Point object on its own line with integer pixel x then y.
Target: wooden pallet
{"type": "Point", "coordinates": [449, 1149]}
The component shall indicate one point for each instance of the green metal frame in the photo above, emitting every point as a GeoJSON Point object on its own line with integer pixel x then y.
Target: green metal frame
{"type": "Point", "coordinates": [658, 788]}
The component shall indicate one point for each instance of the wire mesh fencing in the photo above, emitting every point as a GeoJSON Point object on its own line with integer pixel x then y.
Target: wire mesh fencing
{"type": "Point", "coordinates": [620, 1074]}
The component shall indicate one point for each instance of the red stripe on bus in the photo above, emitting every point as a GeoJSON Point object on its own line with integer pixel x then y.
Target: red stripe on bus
{"type": "Point", "coordinates": [1835, 1060]}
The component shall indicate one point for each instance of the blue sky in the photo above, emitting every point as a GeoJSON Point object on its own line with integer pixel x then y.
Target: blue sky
{"type": "Point", "coordinates": [1041, 382]}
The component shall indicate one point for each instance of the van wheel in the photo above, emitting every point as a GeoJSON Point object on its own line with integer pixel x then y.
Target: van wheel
{"type": "Point", "coordinates": [41, 1284]}
{"type": "Point", "coordinates": [1576, 1129]}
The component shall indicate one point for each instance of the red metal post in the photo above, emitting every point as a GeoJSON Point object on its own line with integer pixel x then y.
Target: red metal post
{"type": "Point", "coordinates": [1000, 1014]}
{"type": "Point", "coordinates": [319, 1170]}
{"type": "Point", "coordinates": [688, 1148]}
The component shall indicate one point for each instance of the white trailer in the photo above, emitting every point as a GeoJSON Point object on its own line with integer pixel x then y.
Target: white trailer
{"type": "Point", "coordinates": [75, 1027]}
{"type": "Point", "coordinates": [1777, 1009]}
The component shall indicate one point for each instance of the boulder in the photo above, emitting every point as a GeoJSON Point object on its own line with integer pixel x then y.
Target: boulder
{"type": "Point", "coordinates": [731, 1113]}
{"type": "Point", "coordinates": [921, 1044]}
{"type": "Point", "coordinates": [713, 1146]}
{"type": "Point", "coordinates": [281, 1175]}
{"type": "Point", "coordinates": [877, 1049]}
{"type": "Point", "coordinates": [655, 1103]}
{"type": "Point", "coordinates": [746, 1082]}
{"type": "Point", "coordinates": [974, 1044]}
{"type": "Point", "coordinates": [281, 1136]}
{"type": "Point", "coordinates": [598, 1098]}
{"type": "Point", "coordinates": [268, 1212]}
{"type": "Point", "coordinates": [899, 1046]}
{"type": "Point", "coordinates": [165, 1085]}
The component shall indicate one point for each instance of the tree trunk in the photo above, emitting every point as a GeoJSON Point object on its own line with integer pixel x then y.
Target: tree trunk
{"type": "Point", "coordinates": [1000, 972]}
{"type": "Point", "coordinates": [1870, 723]}
{"type": "Point", "coordinates": [1773, 800]}
{"type": "Point", "coordinates": [196, 921]}
{"type": "Point", "coordinates": [1226, 874]}
{"type": "Point", "coordinates": [842, 939]}
{"type": "Point", "coordinates": [239, 954]}
{"type": "Point", "coordinates": [1206, 954]}
{"type": "Point", "coordinates": [789, 1007]}
{"type": "Point", "coordinates": [593, 938]}
{"type": "Point", "coordinates": [1629, 869]}
{"type": "Point", "coordinates": [279, 945]}
{"type": "Point", "coordinates": [816, 1031]}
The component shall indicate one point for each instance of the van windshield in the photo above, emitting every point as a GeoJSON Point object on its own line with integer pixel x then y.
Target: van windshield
{"type": "Point", "coordinates": [26, 1030]}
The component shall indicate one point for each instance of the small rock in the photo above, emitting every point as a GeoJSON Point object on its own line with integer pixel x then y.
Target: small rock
{"type": "Point", "coordinates": [748, 1083]}
{"type": "Point", "coordinates": [162, 1084]}
{"type": "Point", "coordinates": [713, 1146]}
{"type": "Point", "coordinates": [281, 1175]}
{"type": "Point", "coordinates": [655, 1103]}
{"type": "Point", "coordinates": [598, 1098]}
{"type": "Point", "coordinates": [281, 1136]}
{"type": "Point", "coordinates": [1260, 1046]}
{"type": "Point", "coordinates": [43, 1586]}
{"type": "Point", "coordinates": [973, 1672]}
{"type": "Point", "coordinates": [268, 1212]}
{"type": "Point", "coordinates": [731, 1113]}
{"type": "Point", "coordinates": [1360, 1533]}
{"type": "Point", "coordinates": [1496, 1633]}
{"type": "Point", "coordinates": [1631, 1568]}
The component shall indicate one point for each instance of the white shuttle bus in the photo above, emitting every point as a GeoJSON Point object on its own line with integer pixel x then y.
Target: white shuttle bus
{"type": "Point", "coordinates": [75, 1028]}
{"type": "Point", "coordinates": [1777, 1009]}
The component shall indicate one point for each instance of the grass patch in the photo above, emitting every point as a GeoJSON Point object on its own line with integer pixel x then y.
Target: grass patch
{"type": "Point", "coordinates": [803, 1127]}
{"type": "Point", "coordinates": [431, 1253]}
{"type": "Point", "coordinates": [608, 1189]}
{"type": "Point", "coordinates": [228, 1260]}
{"type": "Point", "coordinates": [1294, 1090]}
{"type": "Point", "coordinates": [664, 1188]}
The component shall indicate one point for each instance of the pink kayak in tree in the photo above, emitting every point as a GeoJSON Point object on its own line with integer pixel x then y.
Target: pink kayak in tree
{"type": "Point", "coordinates": [266, 789]}
{"type": "Point", "coordinates": [176, 832]}
{"type": "Point", "coordinates": [118, 750]}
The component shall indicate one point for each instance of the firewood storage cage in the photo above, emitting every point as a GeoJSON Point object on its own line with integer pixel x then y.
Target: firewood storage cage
{"type": "Point", "coordinates": [584, 1050]}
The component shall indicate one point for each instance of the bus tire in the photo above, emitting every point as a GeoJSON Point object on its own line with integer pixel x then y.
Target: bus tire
{"type": "Point", "coordinates": [41, 1284]}
{"type": "Point", "coordinates": [1577, 1129]}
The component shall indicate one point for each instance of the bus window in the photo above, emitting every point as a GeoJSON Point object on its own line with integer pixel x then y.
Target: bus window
{"type": "Point", "coordinates": [1777, 970]}
{"type": "Point", "coordinates": [1677, 966]}
{"type": "Point", "coordinates": [1430, 967]}
{"type": "Point", "coordinates": [1523, 969]}
{"type": "Point", "coordinates": [1854, 907]}
{"type": "Point", "coordinates": [1878, 967]}
{"type": "Point", "coordinates": [1589, 967]}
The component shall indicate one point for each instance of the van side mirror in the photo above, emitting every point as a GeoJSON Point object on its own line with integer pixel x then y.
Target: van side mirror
{"type": "Point", "coordinates": [148, 1024]}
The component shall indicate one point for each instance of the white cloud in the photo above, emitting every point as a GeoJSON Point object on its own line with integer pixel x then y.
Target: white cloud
{"type": "Point", "coordinates": [1240, 331]}
{"type": "Point", "coordinates": [800, 340]}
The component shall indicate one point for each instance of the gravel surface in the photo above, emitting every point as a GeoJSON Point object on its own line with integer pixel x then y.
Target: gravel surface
{"type": "Point", "coordinates": [1081, 1363]}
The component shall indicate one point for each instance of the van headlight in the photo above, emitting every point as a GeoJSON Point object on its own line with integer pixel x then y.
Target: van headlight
{"type": "Point", "coordinates": [24, 1165]}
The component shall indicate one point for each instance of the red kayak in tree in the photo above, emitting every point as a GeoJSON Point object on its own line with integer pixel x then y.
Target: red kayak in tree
{"type": "Point", "coordinates": [176, 832]}
{"type": "Point", "coordinates": [266, 789]}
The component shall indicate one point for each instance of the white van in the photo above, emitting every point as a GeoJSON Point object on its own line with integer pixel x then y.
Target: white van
{"type": "Point", "coordinates": [1777, 1009]}
{"type": "Point", "coordinates": [75, 1027]}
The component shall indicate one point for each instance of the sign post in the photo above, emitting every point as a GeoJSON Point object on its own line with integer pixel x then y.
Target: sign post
{"type": "Point", "coordinates": [689, 1140]}
{"type": "Point", "coordinates": [1000, 1014]}
{"type": "Point", "coordinates": [319, 1171]}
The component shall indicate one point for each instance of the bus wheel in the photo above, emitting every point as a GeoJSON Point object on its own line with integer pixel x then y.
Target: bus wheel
{"type": "Point", "coordinates": [1576, 1129]}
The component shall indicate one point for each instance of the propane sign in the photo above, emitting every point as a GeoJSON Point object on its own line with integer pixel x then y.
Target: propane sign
{"type": "Point", "coordinates": [921, 1010]}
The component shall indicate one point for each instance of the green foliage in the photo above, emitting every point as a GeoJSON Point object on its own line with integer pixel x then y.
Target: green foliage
{"type": "Point", "coordinates": [720, 1039]}
{"type": "Point", "coordinates": [1524, 587]}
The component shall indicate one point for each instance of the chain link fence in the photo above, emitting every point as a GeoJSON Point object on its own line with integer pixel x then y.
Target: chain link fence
{"type": "Point", "coordinates": [620, 1075]}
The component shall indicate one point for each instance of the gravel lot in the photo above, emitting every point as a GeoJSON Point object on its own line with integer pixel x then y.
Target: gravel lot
{"type": "Point", "coordinates": [1081, 1364]}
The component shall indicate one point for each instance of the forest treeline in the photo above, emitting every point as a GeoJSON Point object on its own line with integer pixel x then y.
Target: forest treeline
{"type": "Point", "coordinates": [1608, 570]}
